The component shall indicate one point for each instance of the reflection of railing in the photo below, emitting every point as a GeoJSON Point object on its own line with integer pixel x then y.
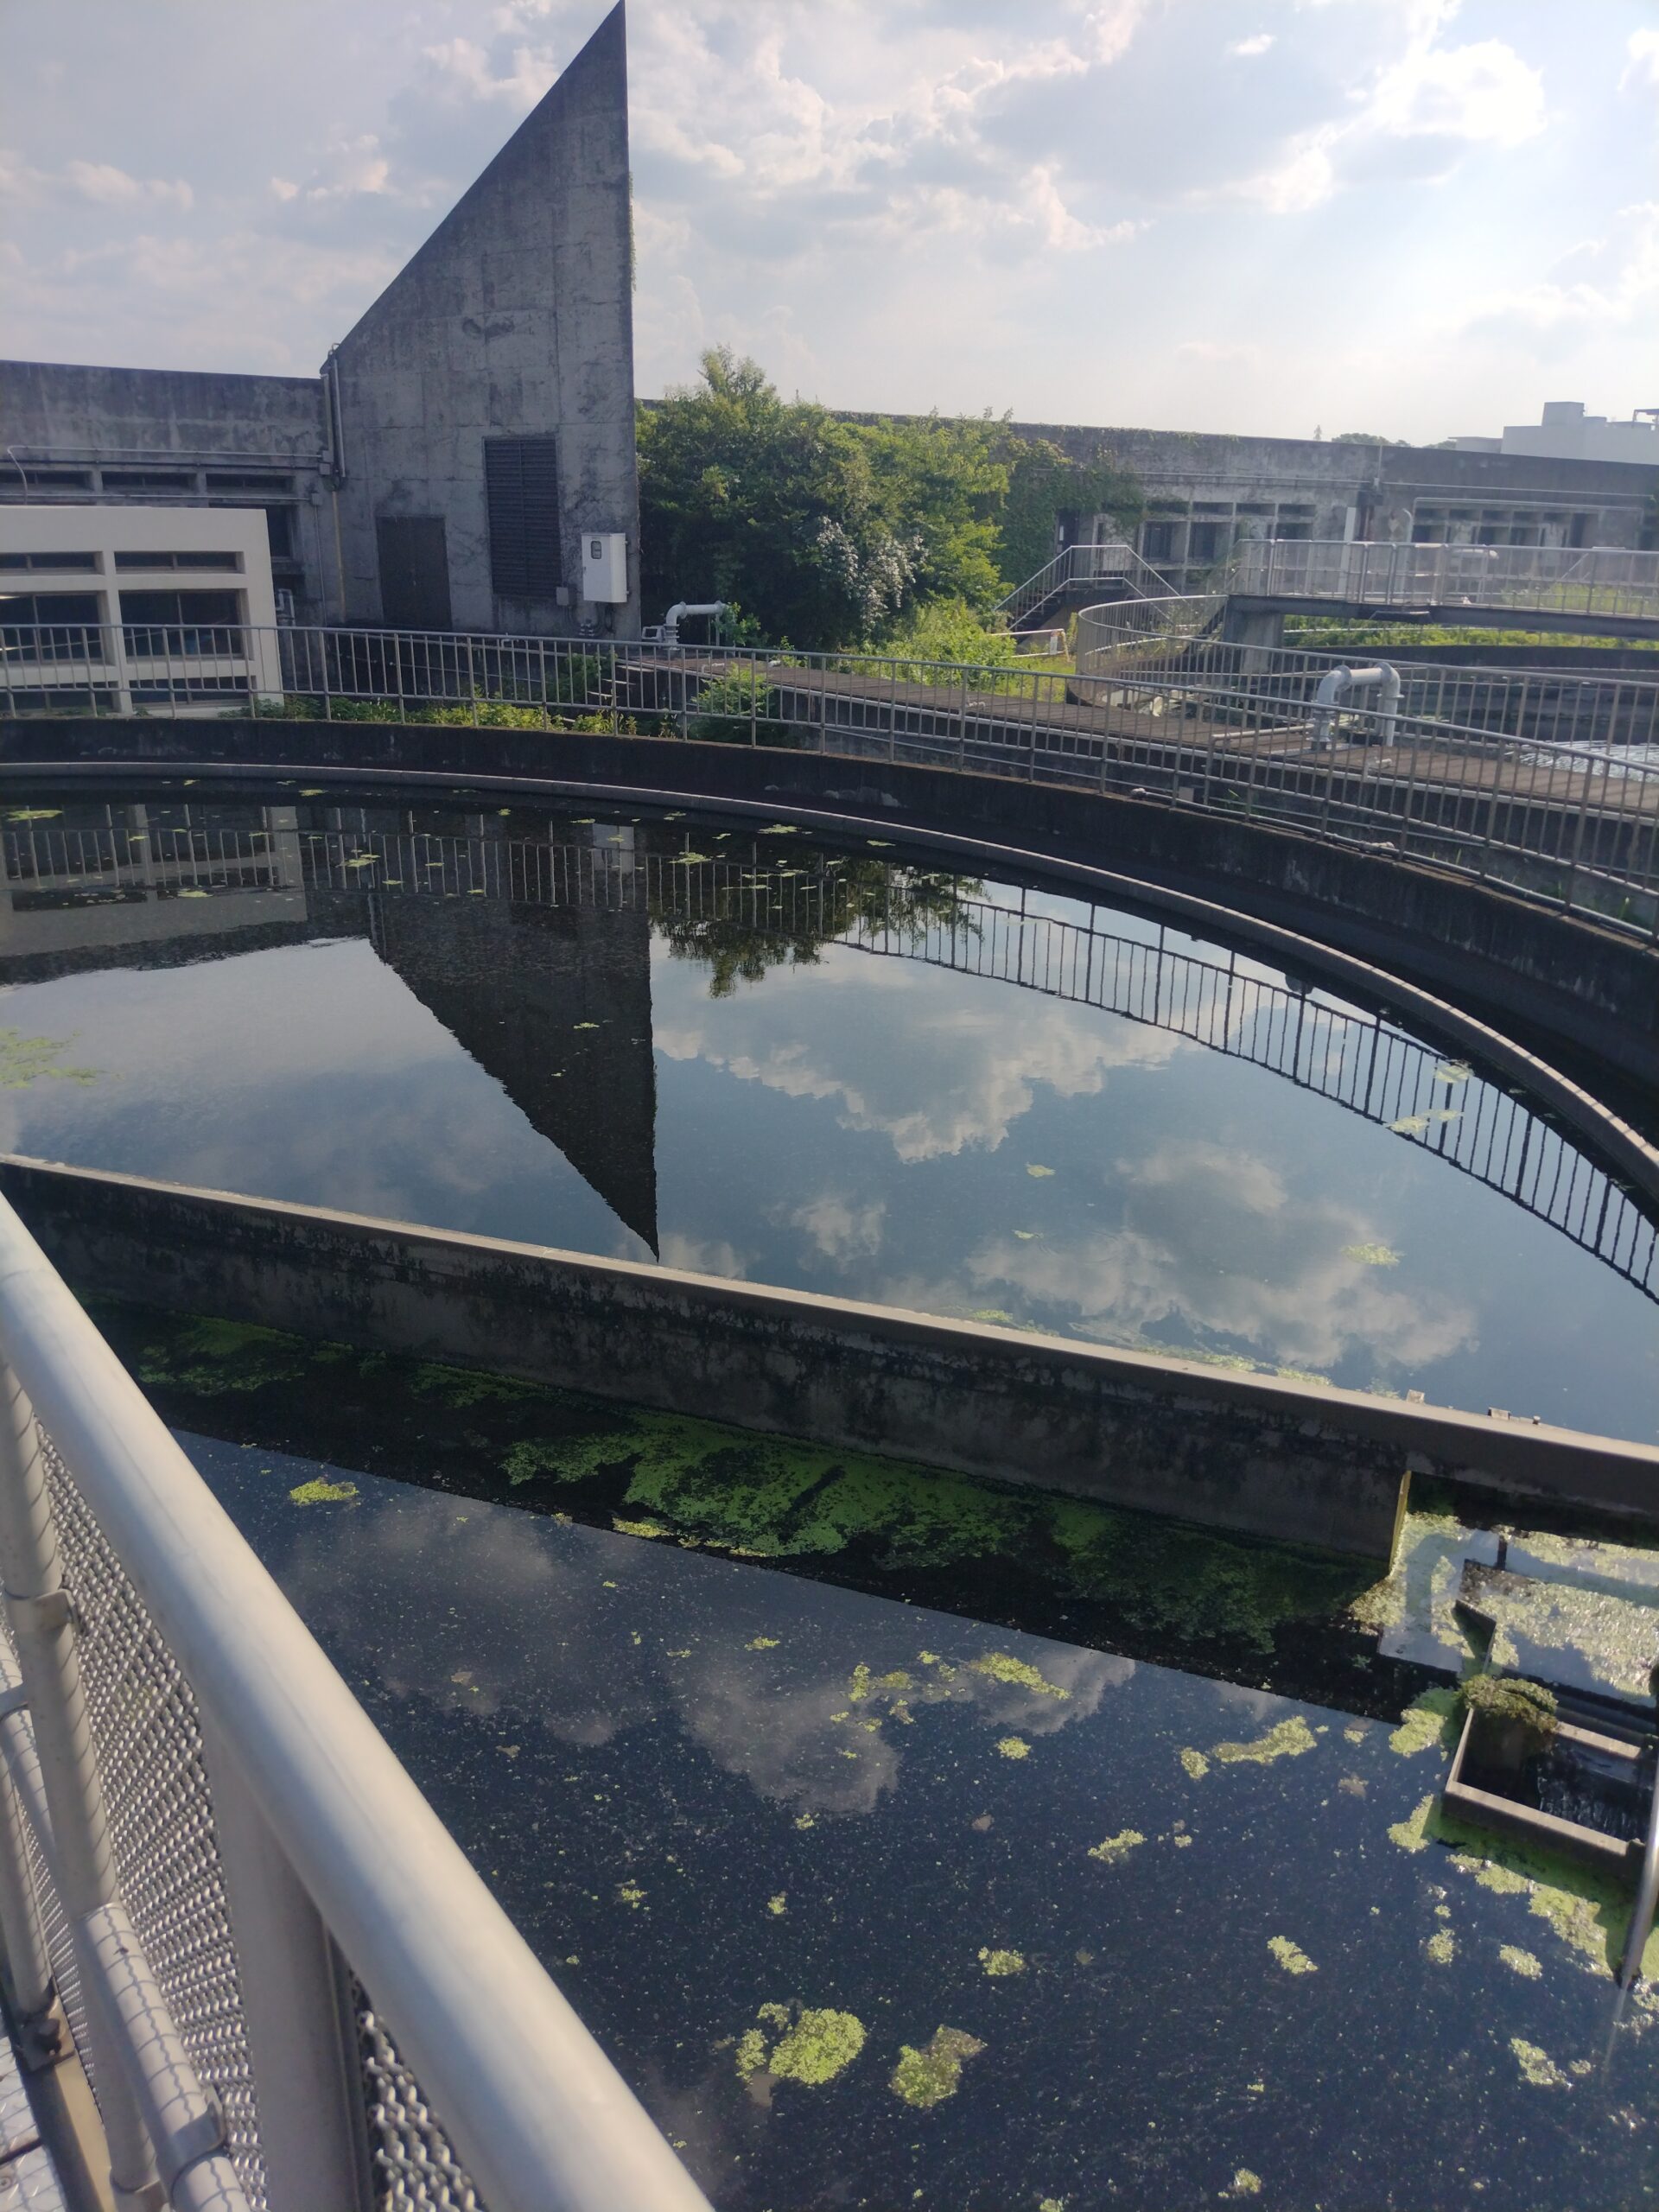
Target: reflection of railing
{"type": "Point", "coordinates": [1573, 827]}
{"type": "Point", "coordinates": [101, 859]}
{"type": "Point", "coordinates": [292, 1990]}
{"type": "Point", "coordinates": [1167, 643]}
{"type": "Point", "coordinates": [1596, 580]}
{"type": "Point", "coordinates": [1359, 1061]}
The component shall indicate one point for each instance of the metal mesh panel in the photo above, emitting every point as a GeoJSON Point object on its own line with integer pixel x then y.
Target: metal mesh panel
{"type": "Point", "coordinates": [144, 1726]}
{"type": "Point", "coordinates": [415, 2170]}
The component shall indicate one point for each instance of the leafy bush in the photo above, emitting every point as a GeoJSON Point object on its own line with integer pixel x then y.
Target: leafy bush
{"type": "Point", "coordinates": [729, 705]}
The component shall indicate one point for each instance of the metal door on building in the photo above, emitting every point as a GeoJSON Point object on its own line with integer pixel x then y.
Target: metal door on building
{"type": "Point", "coordinates": [414, 572]}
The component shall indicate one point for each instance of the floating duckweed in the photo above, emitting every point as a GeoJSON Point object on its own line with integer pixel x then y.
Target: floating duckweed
{"type": "Point", "coordinates": [1287, 1741]}
{"type": "Point", "coordinates": [638, 1527]}
{"type": "Point", "coordinates": [1426, 1725]}
{"type": "Point", "coordinates": [1013, 1747]}
{"type": "Point", "coordinates": [1195, 1763]}
{"type": "Point", "coordinates": [1033, 1169]}
{"type": "Point", "coordinates": [321, 1491]}
{"type": "Point", "coordinates": [762, 1644]}
{"type": "Point", "coordinates": [1117, 1847]}
{"type": "Point", "coordinates": [1372, 1255]}
{"type": "Point", "coordinates": [1002, 1668]}
{"type": "Point", "coordinates": [998, 1963]}
{"type": "Point", "coordinates": [751, 2053]}
{"type": "Point", "coordinates": [24, 1061]}
{"type": "Point", "coordinates": [864, 1682]}
{"type": "Point", "coordinates": [805, 1821]}
{"type": "Point", "coordinates": [1537, 2066]}
{"type": "Point", "coordinates": [780, 1904]}
{"type": "Point", "coordinates": [1291, 1955]}
{"type": "Point", "coordinates": [1520, 1962]}
{"type": "Point", "coordinates": [630, 1894]}
{"type": "Point", "coordinates": [1245, 2183]}
{"type": "Point", "coordinates": [1453, 1071]}
{"type": "Point", "coordinates": [1442, 1947]}
{"type": "Point", "coordinates": [1411, 1834]}
{"type": "Point", "coordinates": [928, 2076]}
{"type": "Point", "coordinates": [821, 2044]}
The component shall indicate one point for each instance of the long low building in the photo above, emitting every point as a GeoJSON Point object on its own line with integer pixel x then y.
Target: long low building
{"type": "Point", "coordinates": [1206, 492]}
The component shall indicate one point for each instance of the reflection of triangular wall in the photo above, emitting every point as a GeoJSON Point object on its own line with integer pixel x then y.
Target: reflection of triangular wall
{"type": "Point", "coordinates": [515, 986]}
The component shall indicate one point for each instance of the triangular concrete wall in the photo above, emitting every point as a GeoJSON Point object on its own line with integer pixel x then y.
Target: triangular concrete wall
{"type": "Point", "coordinates": [514, 319]}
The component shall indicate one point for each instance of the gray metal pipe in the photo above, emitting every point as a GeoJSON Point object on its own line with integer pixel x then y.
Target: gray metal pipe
{"type": "Point", "coordinates": [541, 2118]}
{"type": "Point", "coordinates": [1337, 684]}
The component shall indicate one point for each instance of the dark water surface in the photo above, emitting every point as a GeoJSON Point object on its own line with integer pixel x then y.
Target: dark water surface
{"type": "Point", "coordinates": [1150, 1940]}
{"type": "Point", "coordinates": [761, 1055]}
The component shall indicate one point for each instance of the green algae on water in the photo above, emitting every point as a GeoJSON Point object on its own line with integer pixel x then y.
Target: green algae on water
{"type": "Point", "coordinates": [1428, 1724]}
{"type": "Point", "coordinates": [1195, 1763]}
{"type": "Point", "coordinates": [1291, 1956]}
{"type": "Point", "coordinates": [1245, 2183]}
{"type": "Point", "coordinates": [1372, 1255]}
{"type": "Point", "coordinates": [1520, 1962]}
{"type": "Point", "coordinates": [24, 1061]}
{"type": "Point", "coordinates": [1013, 1747]}
{"type": "Point", "coordinates": [1442, 1947]}
{"type": "Point", "coordinates": [1537, 2066]}
{"type": "Point", "coordinates": [813, 2045]}
{"type": "Point", "coordinates": [321, 1491]}
{"type": "Point", "coordinates": [1287, 1741]}
{"type": "Point", "coordinates": [928, 2076]}
{"type": "Point", "coordinates": [1117, 1847]}
{"type": "Point", "coordinates": [1000, 1963]}
{"type": "Point", "coordinates": [1018, 1672]}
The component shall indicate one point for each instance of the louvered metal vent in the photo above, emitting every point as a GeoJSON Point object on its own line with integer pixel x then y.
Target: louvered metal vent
{"type": "Point", "coordinates": [521, 479]}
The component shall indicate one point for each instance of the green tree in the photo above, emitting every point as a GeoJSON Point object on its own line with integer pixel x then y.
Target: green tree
{"type": "Point", "coordinates": [838, 533]}
{"type": "Point", "coordinates": [772, 505]}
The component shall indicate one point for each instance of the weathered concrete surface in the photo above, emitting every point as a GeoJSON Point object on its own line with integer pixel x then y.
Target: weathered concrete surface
{"type": "Point", "coordinates": [515, 318]}
{"type": "Point", "coordinates": [1287, 1461]}
{"type": "Point", "coordinates": [1562, 980]}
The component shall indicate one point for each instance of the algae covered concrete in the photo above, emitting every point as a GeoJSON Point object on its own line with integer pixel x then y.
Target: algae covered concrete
{"type": "Point", "coordinates": [1288, 1461]}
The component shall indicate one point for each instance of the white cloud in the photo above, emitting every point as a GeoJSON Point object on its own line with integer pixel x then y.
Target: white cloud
{"type": "Point", "coordinates": [1483, 93]}
{"type": "Point", "coordinates": [109, 186]}
{"type": "Point", "coordinates": [1642, 67]}
{"type": "Point", "coordinates": [1249, 48]}
{"type": "Point", "coordinates": [972, 1063]}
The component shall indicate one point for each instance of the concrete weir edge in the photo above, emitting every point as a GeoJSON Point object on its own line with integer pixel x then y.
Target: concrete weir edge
{"type": "Point", "coordinates": [1258, 1456]}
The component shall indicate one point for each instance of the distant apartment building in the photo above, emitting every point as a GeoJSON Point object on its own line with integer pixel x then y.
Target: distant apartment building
{"type": "Point", "coordinates": [1567, 433]}
{"type": "Point", "coordinates": [465, 457]}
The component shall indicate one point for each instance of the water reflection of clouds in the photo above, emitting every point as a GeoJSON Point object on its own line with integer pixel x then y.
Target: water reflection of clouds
{"type": "Point", "coordinates": [1218, 1241]}
{"type": "Point", "coordinates": [517, 1624]}
{"type": "Point", "coordinates": [936, 1063]}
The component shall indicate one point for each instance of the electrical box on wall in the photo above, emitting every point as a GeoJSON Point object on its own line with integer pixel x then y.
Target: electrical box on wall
{"type": "Point", "coordinates": [605, 567]}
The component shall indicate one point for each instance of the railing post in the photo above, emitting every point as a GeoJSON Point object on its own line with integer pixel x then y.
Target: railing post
{"type": "Point", "coordinates": [38, 1608]}
{"type": "Point", "coordinates": [301, 2038]}
{"type": "Point", "coordinates": [30, 1990]}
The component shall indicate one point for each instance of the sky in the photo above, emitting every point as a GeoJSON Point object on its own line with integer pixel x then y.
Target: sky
{"type": "Point", "coordinates": [1414, 218]}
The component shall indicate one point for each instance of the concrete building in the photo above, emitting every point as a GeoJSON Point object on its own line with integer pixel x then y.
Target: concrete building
{"type": "Point", "coordinates": [110, 608]}
{"type": "Point", "coordinates": [1567, 433]}
{"type": "Point", "coordinates": [466, 458]}
{"type": "Point", "coordinates": [1205, 492]}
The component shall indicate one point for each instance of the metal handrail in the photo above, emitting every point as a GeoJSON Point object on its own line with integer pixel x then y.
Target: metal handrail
{"type": "Point", "coordinates": [1080, 564]}
{"type": "Point", "coordinates": [1574, 827]}
{"type": "Point", "coordinates": [535, 2109]}
{"type": "Point", "coordinates": [1596, 580]}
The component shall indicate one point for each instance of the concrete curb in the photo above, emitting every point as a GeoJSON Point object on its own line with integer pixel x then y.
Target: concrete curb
{"type": "Point", "coordinates": [1290, 1462]}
